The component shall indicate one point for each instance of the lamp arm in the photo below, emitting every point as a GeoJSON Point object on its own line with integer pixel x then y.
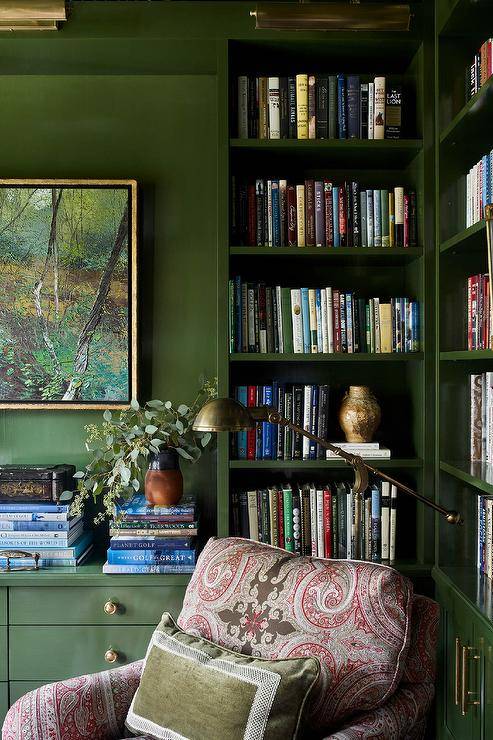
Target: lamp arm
{"type": "Point", "coordinates": [361, 468]}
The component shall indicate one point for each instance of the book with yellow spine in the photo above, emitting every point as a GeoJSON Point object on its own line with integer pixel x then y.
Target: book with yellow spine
{"type": "Point", "coordinates": [302, 106]}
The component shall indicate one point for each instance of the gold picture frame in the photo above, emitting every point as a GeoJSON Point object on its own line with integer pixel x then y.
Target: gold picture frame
{"type": "Point", "coordinates": [125, 232]}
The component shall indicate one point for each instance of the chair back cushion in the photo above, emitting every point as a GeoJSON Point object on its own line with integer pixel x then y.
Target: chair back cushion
{"type": "Point", "coordinates": [263, 601]}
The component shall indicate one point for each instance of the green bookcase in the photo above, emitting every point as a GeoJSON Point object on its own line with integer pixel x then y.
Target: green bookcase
{"type": "Point", "coordinates": [403, 383]}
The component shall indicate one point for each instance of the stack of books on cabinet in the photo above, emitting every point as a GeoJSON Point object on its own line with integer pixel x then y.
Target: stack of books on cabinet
{"type": "Point", "coordinates": [45, 529]}
{"type": "Point", "coordinates": [152, 539]}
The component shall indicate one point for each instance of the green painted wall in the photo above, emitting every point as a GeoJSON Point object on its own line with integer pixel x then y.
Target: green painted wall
{"type": "Point", "coordinates": [78, 106]}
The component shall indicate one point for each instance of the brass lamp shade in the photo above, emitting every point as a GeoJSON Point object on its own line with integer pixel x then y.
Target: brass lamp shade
{"type": "Point", "coordinates": [335, 16]}
{"type": "Point", "coordinates": [223, 415]}
{"type": "Point", "coordinates": [31, 15]}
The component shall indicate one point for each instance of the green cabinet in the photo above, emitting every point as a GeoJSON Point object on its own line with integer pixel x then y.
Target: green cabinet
{"type": "Point", "coordinates": [3, 606]}
{"type": "Point", "coordinates": [3, 654]}
{"type": "Point", "coordinates": [53, 653]}
{"type": "Point", "coordinates": [4, 700]}
{"type": "Point", "coordinates": [486, 649]}
{"type": "Point", "coordinates": [111, 605]}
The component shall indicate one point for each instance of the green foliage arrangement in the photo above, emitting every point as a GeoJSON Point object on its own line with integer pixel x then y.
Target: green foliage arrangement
{"type": "Point", "coordinates": [122, 444]}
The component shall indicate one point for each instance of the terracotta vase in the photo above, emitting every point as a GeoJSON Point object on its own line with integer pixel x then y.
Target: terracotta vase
{"type": "Point", "coordinates": [359, 415]}
{"type": "Point", "coordinates": [164, 481]}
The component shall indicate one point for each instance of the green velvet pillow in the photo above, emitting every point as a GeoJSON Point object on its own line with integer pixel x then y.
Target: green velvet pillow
{"type": "Point", "coordinates": [192, 689]}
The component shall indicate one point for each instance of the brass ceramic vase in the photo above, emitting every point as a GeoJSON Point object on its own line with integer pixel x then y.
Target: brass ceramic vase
{"type": "Point", "coordinates": [164, 481]}
{"type": "Point", "coordinates": [359, 415]}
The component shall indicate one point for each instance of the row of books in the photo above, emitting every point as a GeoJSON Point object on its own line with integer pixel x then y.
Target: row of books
{"type": "Point", "coordinates": [479, 189]}
{"type": "Point", "coordinates": [478, 312]}
{"type": "Point", "coordinates": [319, 213]}
{"type": "Point", "coordinates": [46, 529]}
{"type": "Point", "coordinates": [485, 535]}
{"type": "Point", "coordinates": [308, 106]}
{"type": "Point", "coordinates": [307, 405]}
{"type": "Point", "coordinates": [481, 68]}
{"type": "Point", "coordinates": [152, 539]}
{"type": "Point", "coordinates": [274, 319]}
{"type": "Point", "coordinates": [481, 439]}
{"type": "Point", "coordinates": [327, 521]}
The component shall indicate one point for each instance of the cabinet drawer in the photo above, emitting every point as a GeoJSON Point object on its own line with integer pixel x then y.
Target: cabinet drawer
{"type": "Point", "coordinates": [3, 606]}
{"type": "Point", "coordinates": [85, 605]}
{"type": "Point", "coordinates": [3, 654]}
{"type": "Point", "coordinates": [4, 701]}
{"type": "Point", "coordinates": [53, 653]}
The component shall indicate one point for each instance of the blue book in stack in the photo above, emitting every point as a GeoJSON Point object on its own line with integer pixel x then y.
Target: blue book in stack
{"type": "Point", "coordinates": [152, 539]}
{"type": "Point", "coordinates": [44, 528]}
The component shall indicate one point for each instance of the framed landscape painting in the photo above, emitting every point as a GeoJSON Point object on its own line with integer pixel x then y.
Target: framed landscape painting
{"type": "Point", "coordinates": [68, 293]}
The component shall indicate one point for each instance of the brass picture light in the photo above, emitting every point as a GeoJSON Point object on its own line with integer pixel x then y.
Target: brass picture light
{"type": "Point", "coordinates": [31, 15]}
{"type": "Point", "coordinates": [336, 16]}
{"type": "Point", "coordinates": [228, 415]}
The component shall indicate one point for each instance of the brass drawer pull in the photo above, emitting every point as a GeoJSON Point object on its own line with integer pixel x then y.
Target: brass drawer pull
{"type": "Point", "coordinates": [466, 702]}
{"type": "Point", "coordinates": [457, 671]}
{"type": "Point", "coordinates": [110, 607]}
{"type": "Point", "coordinates": [111, 656]}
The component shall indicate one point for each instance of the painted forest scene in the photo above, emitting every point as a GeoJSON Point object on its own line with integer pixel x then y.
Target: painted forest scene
{"type": "Point", "coordinates": [64, 293]}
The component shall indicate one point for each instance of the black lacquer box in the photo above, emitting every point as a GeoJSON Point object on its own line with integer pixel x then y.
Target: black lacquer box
{"type": "Point", "coordinates": [22, 483]}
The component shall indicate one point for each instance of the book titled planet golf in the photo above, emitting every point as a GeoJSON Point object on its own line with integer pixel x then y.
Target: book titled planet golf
{"type": "Point", "coordinates": [152, 539]}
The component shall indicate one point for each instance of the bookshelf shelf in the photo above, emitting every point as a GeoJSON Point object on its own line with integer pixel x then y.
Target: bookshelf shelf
{"type": "Point", "coordinates": [301, 465]}
{"type": "Point", "coordinates": [345, 255]}
{"type": "Point", "coordinates": [474, 119]}
{"type": "Point", "coordinates": [477, 474]}
{"type": "Point", "coordinates": [467, 355]}
{"type": "Point", "coordinates": [475, 586]}
{"type": "Point", "coordinates": [387, 153]}
{"type": "Point", "coordinates": [471, 239]}
{"type": "Point", "coordinates": [335, 357]}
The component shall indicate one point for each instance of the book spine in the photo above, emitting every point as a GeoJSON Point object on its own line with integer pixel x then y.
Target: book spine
{"type": "Point", "coordinates": [274, 108]}
{"type": "Point", "coordinates": [379, 110]}
{"type": "Point", "coordinates": [313, 522]}
{"type": "Point", "coordinates": [263, 104]}
{"type": "Point", "coordinates": [341, 107]}
{"type": "Point", "coordinates": [305, 315]}
{"type": "Point", "coordinates": [26, 516]}
{"type": "Point", "coordinates": [384, 210]}
{"type": "Point", "coordinates": [292, 127]}
{"type": "Point", "coordinates": [283, 107]}
{"type": "Point", "coordinates": [243, 107]}
{"type": "Point", "coordinates": [291, 216]}
{"type": "Point", "coordinates": [393, 112]}
{"type": "Point", "coordinates": [332, 107]}
{"type": "Point", "coordinates": [322, 112]}
{"type": "Point", "coordinates": [377, 219]}
{"type": "Point", "coordinates": [393, 523]}
{"type": "Point", "coordinates": [300, 215]}
{"type": "Point", "coordinates": [356, 214]}
{"type": "Point", "coordinates": [147, 568]}
{"type": "Point", "coordinates": [298, 420]}
{"type": "Point", "coordinates": [323, 418]}
{"type": "Point", "coordinates": [158, 557]}
{"type": "Point", "coordinates": [296, 522]}
{"type": "Point", "coordinates": [288, 519]}
{"type": "Point", "coordinates": [307, 411]}
{"type": "Point", "coordinates": [319, 214]}
{"type": "Point", "coordinates": [312, 107]}
{"type": "Point", "coordinates": [320, 523]}
{"type": "Point", "coordinates": [327, 523]}
{"type": "Point", "coordinates": [313, 320]}
{"type": "Point", "coordinates": [283, 212]}
{"type": "Point", "coordinates": [353, 107]}
{"type": "Point", "coordinates": [274, 517]}
{"type": "Point", "coordinates": [399, 216]}
{"type": "Point", "coordinates": [376, 515]}
{"type": "Point", "coordinates": [302, 106]}
{"type": "Point", "coordinates": [329, 214]}
{"type": "Point", "coordinates": [364, 111]}
{"type": "Point", "coordinates": [371, 110]}
{"type": "Point", "coordinates": [310, 213]}
{"type": "Point", "coordinates": [385, 533]}
{"type": "Point", "coordinates": [324, 321]}
{"type": "Point", "coordinates": [391, 220]}
{"type": "Point", "coordinates": [276, 214]}
{"type": "Point", "coordinates": [335, 219]}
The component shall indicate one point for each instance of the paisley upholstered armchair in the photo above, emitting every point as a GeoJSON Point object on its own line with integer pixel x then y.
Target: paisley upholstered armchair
{"type": "Point", "coordinates": [375, 640]}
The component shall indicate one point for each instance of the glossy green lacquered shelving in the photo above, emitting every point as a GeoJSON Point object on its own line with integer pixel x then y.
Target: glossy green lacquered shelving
{"type": "Point", "coordinates": [301, 465]}
{"type": "Point", "coordinates": [472, 238]}
{"type": "Point", "coordinates": [375, 256]}
{"type": "Point", "coordinates": [467, 355]}
{"type": "Point", "coordinates": [477, 474]}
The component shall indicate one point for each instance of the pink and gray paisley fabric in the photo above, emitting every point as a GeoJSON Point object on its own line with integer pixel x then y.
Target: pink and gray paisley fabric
{"type": "Point", "coordinates": [90, 707]}
{"type": "Point", "coordinates": [353, 616]}
{"type": "Point", "coordinates": [361, 619]}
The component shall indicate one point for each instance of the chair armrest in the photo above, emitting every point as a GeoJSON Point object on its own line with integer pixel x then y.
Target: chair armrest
{"type": "Point", "coordinates": [402, 717]}
{"type": "Point", "coordinates": [93, 706]}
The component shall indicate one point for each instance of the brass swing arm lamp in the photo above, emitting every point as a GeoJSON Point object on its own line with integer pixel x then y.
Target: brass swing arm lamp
{"type": "Point", "coordinates": [31, 15]}
{"type": "Point", "coordinates": [333, 16]}
{"type": "Point", "coordinates": [228, 415]}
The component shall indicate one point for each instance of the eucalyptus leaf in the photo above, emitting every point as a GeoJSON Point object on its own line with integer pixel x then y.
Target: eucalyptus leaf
{"type": "Point", "coordinates": [155, 404]}
{"type": "Point", "coordinates": [135, 484]}
{"type": "Point", "coordinates": [156, 442]}
{"type": "Point", "coordinates": [150, 429]}
{"type": "Point", "coordinates": [183, 453]}
{"type": "Point", "coordinates": [150, 414]}
{"type": "Point", "coordinates": [153, 449]}
{"type": "Point", "coordinates": [206, 439]}
{"type": "Point", "coordinates": [79, 474]}
{"type": "Point", "coordinates": [107, 416]}
{"type": "Point", "coordinates": [168, 404]}
{"type": "Point", "coordinates": [134, 454]}
{"type": "Point", "coordinates": [183, 409]}
{"type": "Point", "coordinates": [135, 404]}
{"type": "Point", "coordinates": [179, 426]}
{"type": "Point", "coordinates": [109, 440]}
{"type": "Point", "coordinates": [125, 475]}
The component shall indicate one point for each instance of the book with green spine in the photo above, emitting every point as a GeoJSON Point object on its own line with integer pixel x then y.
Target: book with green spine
{"type": "Point", "coordinates": [384, 205]}
{"type": "Point", "coordinates": [287, 495]}
{"type": "Point", "coordinates": [287, 324]}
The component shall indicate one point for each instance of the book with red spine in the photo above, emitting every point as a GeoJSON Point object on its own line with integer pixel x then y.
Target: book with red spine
{"type": "Point", "coordinates": [327, 516]}
{"type": "Point", "coordinates": [251, 433]}
{"type": "Point", "coordinates": [291, 215]}
{"type": "Point", "coordinates": [336, 298]}
{"type": "Point", "coordinates": [342, 218]}
{"type": "Point", "coordinates": [469, 313]}
{"type": "Point", "coordinates": [310, 213]}
{"type": "Point", "coordinates": [329, 214]}
{"type": "Point", "coordinates": [474, 311]}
